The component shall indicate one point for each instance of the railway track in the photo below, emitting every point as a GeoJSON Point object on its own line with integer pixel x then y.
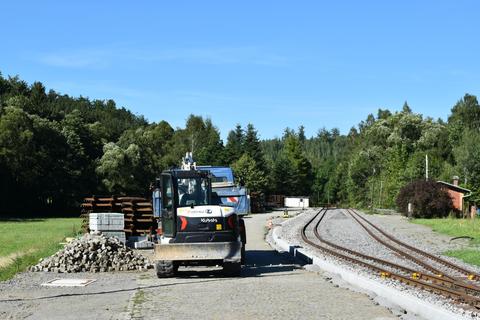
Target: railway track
{"type": "Point", "coordinates": [412, 256]}
{"type": "Point", "coordinates": [470, 275]}
{"type": "Point", "coordinates": [433, 281]}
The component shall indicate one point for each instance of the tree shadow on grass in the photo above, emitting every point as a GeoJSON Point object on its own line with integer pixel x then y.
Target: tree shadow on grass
{"type": "Point", "coordinates": [13, 219]}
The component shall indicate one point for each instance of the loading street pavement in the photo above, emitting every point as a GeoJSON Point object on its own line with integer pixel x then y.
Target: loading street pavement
{"type": "Point", "coordinates": [271, 287]}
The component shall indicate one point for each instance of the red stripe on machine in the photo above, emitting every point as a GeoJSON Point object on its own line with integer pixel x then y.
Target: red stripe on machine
{"type": "Point", "coordinates": [184, 223]}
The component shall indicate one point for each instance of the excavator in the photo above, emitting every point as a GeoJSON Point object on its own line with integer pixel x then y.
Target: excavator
{"type": "Point", "coordinates": [197, 228]}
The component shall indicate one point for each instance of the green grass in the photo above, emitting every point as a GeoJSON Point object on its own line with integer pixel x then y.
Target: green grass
{"type": "Point", "coordinates": [139, 297]}
{"type": "Point", "coordinates": [369, 211]}
{"type": "Point", "coordinates": [32, 239]}
{"type": "Point", "coordinates": [138, 300]}
{"type": "Point", "coordinates": [458, 228]}
{"type": "Point", "coordinates": [454, 227]}
{"type": "Point", "coordinates": [471, 256]}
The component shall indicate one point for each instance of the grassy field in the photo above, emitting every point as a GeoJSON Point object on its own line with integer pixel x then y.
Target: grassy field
{"type": "Point", "coordinates": [458, 228]}
{"type": "Point", "coordinates": [24, 242]}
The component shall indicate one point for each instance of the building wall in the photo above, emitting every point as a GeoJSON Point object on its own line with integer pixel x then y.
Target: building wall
{"type": "Point", "coordinates": [457, 199]}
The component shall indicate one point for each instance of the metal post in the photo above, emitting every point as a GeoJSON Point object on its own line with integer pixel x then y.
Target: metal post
{"type": "Point", "coordinates": [426, 167]}
{"type": "Point", "coordinates": [371, 196]}
{"type": "Point", "coordinates": [372, 189]}
{"type": "Point", "coordinates": [381, 190]}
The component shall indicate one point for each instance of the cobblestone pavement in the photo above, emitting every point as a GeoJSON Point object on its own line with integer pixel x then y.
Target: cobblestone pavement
{"type": "Point", "coordinates": [271, 287]}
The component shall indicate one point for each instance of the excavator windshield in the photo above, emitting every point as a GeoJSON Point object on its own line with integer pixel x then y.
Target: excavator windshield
{"type": "Point", "coordinates": [194, 191]}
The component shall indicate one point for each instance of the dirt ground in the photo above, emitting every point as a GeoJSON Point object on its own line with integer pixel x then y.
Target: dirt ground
{"type": "Point", "coordinates": [271, 287]}
{"type": "Point", "coordinates": [7, 260]}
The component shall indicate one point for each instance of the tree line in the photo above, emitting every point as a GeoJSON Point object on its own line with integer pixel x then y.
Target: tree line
{"type": "Point", "coordinates": [368, 166]}
{"type": "Point", "coordinates": [56, 149]}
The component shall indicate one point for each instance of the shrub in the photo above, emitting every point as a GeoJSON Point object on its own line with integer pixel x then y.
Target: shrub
{"type": "Point", "coordinates": [429, 200]}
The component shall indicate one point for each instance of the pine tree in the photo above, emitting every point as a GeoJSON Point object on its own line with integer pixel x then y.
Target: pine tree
{"type": "Point", "coordinates": [251, 146]}
{"type": "Point", "coordinates": [249, 175]}
{"type": "Point", "coordinates": [302, 168]}
{"type": "Point", "coordinates": [301, 135]}
{"type": "Point", "coordinates": [234, 146]}
{"type": "Point", "coordinates": [406, 108]}
{"type": "Point", "coordinates": [282, 176]}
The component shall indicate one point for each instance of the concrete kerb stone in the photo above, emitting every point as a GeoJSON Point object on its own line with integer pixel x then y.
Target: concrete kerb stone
{"type": "Point", "coordinates": [406, 301]}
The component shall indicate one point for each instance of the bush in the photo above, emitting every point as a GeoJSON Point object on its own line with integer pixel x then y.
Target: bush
{"type": "Point", "coordinates": [429, 200]}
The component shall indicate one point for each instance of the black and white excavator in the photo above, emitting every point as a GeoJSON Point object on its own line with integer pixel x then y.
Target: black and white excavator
{"type": "Point", "coordinates": [197, 228]}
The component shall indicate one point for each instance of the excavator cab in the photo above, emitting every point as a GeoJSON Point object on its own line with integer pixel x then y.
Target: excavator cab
{"type": "Point", "coordinates": [197, 230]}
{"type": "Point", "coordinates": [180, 189]}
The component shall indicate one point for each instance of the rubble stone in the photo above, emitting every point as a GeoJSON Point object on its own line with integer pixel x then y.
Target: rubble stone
{"type": "Point", "coordinates": [93, 253]}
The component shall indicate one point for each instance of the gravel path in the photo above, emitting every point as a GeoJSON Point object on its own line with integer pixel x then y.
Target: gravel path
{"type": "Point", "coordinates": [271, 287]}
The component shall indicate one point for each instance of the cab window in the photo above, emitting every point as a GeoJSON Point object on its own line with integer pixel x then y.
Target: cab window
{"type": "Point", "coordinates": [193, 192]}
{"type": "Point", "coordinates": [167, 199]}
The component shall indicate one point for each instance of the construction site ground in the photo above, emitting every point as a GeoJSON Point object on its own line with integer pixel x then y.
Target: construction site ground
{"type": "Point", "coordinates": [271, 287]}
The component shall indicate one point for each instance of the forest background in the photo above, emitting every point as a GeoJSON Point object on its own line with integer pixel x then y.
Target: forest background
{"type": "Point", "coordinates": [56, 149]}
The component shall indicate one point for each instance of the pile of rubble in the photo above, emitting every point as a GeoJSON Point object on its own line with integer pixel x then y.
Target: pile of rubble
{"type": "Point", "coordinates": [93, 253]}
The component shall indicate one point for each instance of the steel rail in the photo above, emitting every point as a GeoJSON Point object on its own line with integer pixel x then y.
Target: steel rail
{"type": "Point", "coordinates": [401, 252]}
{"type": "Point", "coordinates": [439, 279]}
{"type": "Point", "coordinates": [471, 275]}
{"type": "Point", "coordinates": [453, 282]}
{"type": "Point", "coordinates": [445, 281]}
{"type": "Point", "coordinates": [460, 297]}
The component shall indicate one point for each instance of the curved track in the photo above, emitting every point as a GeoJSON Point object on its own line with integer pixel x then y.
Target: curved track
{"type": "Point", "coordinates": [468, 273]}
{"type": "Point", "coordinates": [436, 282]}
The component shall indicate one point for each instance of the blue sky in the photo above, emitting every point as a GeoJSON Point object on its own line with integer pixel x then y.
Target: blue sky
{"type": "Point", "coordinates": [275, 64]}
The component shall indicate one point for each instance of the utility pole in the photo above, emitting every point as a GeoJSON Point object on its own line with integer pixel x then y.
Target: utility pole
{"type": "Point", "coordinates": [372, 189]}
{"type": "Point", "coordinates": [426, 167]}
{"type": "Point", "coordinates": [381, 191]}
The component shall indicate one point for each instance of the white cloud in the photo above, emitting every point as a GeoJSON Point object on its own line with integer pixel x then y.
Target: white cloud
{"type": "Point", "coordinates": [94, 58]}
{"type": "Point", "coordinates": [76, 59]}
{"type": "Point", "coordinates": [216, 55]}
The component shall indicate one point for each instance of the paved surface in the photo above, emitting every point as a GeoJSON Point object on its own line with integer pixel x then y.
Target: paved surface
{"type": "Point", "coordinates": [271, 287]}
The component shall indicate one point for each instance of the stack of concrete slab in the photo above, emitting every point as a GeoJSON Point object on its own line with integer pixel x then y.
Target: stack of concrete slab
{"type": "Point", "coordinates": [110, 224]}
{"type": "Point", "coordinates": [139, 242]}
{"type": "Point", "coordinates": [98, 204]}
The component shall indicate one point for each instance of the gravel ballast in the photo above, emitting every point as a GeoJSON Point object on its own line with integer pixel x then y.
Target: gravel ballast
{"type": "Point", "coordinates": [93, 253]}
{"type": "Point", "coordinates": [340, 230]}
